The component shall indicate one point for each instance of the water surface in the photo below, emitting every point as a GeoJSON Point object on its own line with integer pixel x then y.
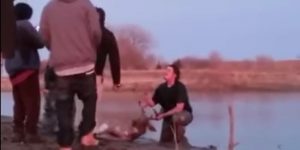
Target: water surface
{"type": "Point", "coordinates": [263, 121]}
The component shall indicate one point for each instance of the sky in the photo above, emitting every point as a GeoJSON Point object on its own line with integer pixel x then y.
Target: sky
{"type": "Point", "coordinates": [237, 29]}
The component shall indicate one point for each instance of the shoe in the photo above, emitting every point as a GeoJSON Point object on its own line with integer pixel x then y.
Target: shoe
{"type": "Point", "coordinates": [89, 140]}
{"type": "Point", "coordinates": [34, 138]}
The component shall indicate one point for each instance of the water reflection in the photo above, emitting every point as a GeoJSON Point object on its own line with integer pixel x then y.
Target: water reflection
{"type": "Point", "coordinates": [252, 120]}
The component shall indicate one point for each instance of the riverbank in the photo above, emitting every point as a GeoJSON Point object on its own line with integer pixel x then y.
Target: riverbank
{"type": "Point", "coordinates": [105, 144]}
{"type": "Point", "coordinates": [203, 80]}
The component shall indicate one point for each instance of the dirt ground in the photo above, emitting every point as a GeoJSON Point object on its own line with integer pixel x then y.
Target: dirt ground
{"type": "Point", "coordinates": [105, 144]}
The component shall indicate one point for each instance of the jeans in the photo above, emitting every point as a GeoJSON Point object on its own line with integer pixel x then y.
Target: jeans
{"type": "Point", "coordinates": [84, 86]}
{"type": "Point", "coordinates": [175, 125]}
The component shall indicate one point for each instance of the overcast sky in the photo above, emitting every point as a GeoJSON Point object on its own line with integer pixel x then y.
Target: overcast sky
{"type": "Point", "coordinates": [238, 29]}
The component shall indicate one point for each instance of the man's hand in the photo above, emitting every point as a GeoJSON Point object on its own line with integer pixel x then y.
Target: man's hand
{"type": "Point", "coordinates": [99, 80]}
{"type": "Point", "coordinates": [158, 117]}
{"type": "Point", "coordinates": [142, 103]}
{"type": "Point", "coordinates": [99, 84]}
{"type": "Point", "coordinates": [45, 92]}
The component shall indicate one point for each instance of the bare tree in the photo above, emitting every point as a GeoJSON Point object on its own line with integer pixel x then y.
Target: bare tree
{"type": "Point", "coordinates": [264, 62]}
{"type": "Point", "coordinates": [191, 62]}
{"type": "Point", "coordinates": [215, 58]}
{"type": "Point", "coordinates": [135, 45]}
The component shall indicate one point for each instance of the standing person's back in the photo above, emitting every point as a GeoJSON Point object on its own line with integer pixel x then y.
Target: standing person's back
{"type": "Point", "coordinates": [71, 31]}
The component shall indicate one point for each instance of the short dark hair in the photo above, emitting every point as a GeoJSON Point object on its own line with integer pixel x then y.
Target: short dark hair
{"type": "Point", "coordinates": [101, 13]}
{"type": "Point", "coordinates": [176, 71]}
{"type": "Point", "coordinates": [23, 11]}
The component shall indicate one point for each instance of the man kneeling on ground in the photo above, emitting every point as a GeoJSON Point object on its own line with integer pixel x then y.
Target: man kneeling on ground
{"type": "Point", "coordinates": [177, 111]}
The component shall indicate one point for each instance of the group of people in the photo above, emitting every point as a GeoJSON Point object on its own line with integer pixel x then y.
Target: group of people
{"type": "Point", "coordinates": [74, 32]}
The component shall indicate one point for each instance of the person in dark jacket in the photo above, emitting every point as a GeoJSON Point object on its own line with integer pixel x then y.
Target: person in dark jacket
{"type": "Point", "coordinates": [23, 70]}
{"type": "Point", "coordinates": [108, 48]}
{"type": "Point", "coordinates": [8, 29]}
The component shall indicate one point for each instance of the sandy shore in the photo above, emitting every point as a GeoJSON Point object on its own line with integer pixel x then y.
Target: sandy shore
{"type": "Point", "coordinates": [110, 112]}
{"type": "Point", "coordinates": [204, 80]}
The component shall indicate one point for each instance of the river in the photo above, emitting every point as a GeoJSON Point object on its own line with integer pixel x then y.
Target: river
{"type": "Point", "coordinates": [261, 120]}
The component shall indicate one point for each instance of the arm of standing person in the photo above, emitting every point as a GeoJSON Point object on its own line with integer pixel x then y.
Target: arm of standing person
{"type": "Point", "coordinates": [44, 29]}
{"type": "Point", "coordinates": [109, 47]}
{"type": "Point", "coordinates": [34, 39]}
{"type": "Point", "coordinates": [114, 60]}
{"type": "Point", "coordinates": [102, 53]}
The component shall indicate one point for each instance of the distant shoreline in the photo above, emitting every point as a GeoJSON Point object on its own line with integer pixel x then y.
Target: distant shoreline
{"type": "Point", "coordinates": [202, 80]}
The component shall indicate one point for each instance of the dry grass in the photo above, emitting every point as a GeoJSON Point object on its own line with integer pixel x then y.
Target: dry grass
{"type": "Point", "coordinates": [204, 80]}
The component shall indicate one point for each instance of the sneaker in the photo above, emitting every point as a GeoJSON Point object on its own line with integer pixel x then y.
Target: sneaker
{"type": "Point", "coordinates": [89, 140]}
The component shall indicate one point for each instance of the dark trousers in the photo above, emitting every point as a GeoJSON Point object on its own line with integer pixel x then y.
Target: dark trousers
{"type": "Point", "coordinates": [27, 100]}
{"type": "Point", "coordinates": [49, 120]}
{"type": "Point", "coordinates": [175, 125]}
{"type": "Point", "coordinates": [84, 86]}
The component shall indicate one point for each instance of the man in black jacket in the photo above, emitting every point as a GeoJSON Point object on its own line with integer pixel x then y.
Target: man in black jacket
{"type": "Point", "coordinates": [108, 47]}
{"type": "Point", "coordinates": [172, 96]}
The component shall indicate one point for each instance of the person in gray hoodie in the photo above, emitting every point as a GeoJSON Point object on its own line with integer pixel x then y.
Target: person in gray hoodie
{"type": "Point", "coordinates": [70, 29]}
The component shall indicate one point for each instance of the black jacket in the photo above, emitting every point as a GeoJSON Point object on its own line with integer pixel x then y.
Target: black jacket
{"type": "Point", "coordinates": [109, 47]}
{"type": "Point", "coordinates": [8, 28]}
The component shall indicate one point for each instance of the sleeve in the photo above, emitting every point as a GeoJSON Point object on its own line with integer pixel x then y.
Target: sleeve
{"type": "Point", "coordinates": [94, 24]}
{"type": "Point", "coordinates": [114, 60]}
{"type": "Point", "coordinates": [44, 29]}
{"type": "Point", "coordinates": [34, 38]}
{"type": "Point", "coordinates": [182, 94]}
{"type": "Point", "coordinates": [101, 59]}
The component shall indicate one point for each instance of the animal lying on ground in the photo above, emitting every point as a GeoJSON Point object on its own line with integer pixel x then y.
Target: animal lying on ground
{"type": "Point", "coordinates": [137, 128]}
